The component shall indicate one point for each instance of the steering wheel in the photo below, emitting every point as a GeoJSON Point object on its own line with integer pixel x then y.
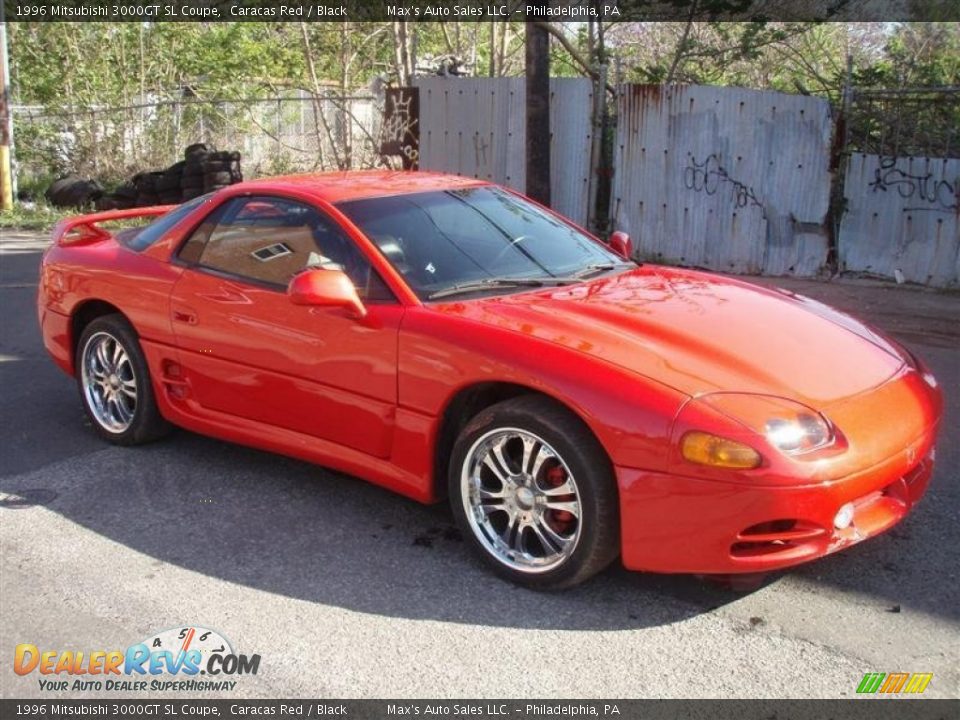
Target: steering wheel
{"type": "Point", "coordinates": [512, 244]}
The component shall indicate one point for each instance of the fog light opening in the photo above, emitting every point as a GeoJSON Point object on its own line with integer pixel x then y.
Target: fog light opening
{"type": "Point", "coordinates": [844, 517]}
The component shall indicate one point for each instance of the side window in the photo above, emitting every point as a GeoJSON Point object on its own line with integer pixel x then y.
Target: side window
{"type": "Point", "coordinates": [191, 250]}
{"type": "Point", "coordinates": [270, 240]}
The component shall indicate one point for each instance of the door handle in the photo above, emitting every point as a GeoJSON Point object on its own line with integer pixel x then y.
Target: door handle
{"type": "Point", "coordinates": [185, 317]}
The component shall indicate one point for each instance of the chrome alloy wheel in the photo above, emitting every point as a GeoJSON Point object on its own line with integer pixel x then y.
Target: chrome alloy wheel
{"type": "Point", "coordinates": [109, 382]}
{"type": "Point", "coordinates": [521, 500]}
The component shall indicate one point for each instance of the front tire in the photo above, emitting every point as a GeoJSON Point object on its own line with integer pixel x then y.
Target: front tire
{"type": "Point", "coordinates": [115, 385]}
{"type": "Point", "coordinates": [535, 493]}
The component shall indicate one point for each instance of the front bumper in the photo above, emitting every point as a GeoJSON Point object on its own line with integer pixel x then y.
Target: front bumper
{"type": "Point", "coordinates": [677, 523]}
{"type": "Point", "coordinates": [674, 524]}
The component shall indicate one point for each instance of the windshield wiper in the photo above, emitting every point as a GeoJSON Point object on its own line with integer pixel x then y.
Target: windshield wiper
{"type": "Point", "coordinates": [597, 269]}
{"type": "Point", "coordinates": [495, 282]}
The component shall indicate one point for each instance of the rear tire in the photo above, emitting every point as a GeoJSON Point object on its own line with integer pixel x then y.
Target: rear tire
{"type": "Point", "coordinates": [115, 385]}
{"type": "Point", "coordinates": [534, 492]}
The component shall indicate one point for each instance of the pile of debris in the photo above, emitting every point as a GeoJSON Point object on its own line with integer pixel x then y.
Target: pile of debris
{"type": "Point", "coordinates": [201, 171]}
{"type": "Point", "coordinates": [73, 191]}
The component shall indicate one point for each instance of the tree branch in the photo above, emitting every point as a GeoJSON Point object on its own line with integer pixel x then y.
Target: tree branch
{"type": "Point", "coordinates": [573, 52]}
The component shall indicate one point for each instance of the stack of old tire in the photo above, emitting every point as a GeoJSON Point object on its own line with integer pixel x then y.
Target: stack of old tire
{"type": "Point", "coordinates": [205, 170]}
{"type": "Point", "coordinates": [147, 191]}
{"type": "Point", "coordinates": [201, 171]}
{"type": "Point", "coordinates": [73, 191]}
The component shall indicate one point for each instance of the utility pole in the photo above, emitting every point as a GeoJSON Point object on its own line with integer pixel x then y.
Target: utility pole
{"type": "Point", "coordinates": [538, 112]}
{"type": "Point", "coordinates": [6, 121]}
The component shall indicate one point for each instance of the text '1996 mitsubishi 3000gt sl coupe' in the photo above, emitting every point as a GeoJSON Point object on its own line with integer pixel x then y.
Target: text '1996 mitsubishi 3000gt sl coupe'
{"type": "Point", "coordinates": [445, 337]}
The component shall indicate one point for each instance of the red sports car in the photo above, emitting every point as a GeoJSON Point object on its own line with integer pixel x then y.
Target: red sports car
{"type": "Point", "coordinates": [442, 336]}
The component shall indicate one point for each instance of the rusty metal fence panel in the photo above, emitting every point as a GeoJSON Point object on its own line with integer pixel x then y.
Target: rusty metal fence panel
{"type": "Point", "coordinates": [902, 219]}
{"type": "Point", "coordinates": [725, 178]}
{"type": "Point", "coordinates": [571, 126]}
{"type": "Point", "coordinates": [476, 127]}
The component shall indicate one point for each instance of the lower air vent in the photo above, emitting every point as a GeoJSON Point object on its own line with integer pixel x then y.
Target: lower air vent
{"type": "Point", "coordinates": [775, 536]}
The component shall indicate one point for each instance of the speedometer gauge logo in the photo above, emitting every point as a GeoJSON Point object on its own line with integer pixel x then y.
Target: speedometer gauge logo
{"type": "Point", "coordinates": [204, 640]}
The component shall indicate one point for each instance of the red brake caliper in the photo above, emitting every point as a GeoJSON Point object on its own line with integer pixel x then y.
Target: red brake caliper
{"type": "Point", "coordinates": [560, 520]}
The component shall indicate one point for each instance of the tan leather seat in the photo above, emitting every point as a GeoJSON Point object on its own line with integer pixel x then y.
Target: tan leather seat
{"type": "Point", "coordinates": [233, 248]}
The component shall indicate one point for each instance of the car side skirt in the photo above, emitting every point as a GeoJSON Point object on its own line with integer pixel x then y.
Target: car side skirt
{"type": "Point", "coordinates": [406, 471]}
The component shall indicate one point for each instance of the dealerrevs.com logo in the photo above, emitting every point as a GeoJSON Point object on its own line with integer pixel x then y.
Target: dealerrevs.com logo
{"type": "Point", "coordinates": [185, 659]}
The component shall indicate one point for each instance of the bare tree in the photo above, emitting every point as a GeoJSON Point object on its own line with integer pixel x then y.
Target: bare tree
{"type": "Point", "coordinates": [404, 39]}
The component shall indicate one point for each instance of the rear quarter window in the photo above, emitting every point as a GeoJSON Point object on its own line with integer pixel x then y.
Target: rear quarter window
{"type": "Point", "coordinates": [147, 236]}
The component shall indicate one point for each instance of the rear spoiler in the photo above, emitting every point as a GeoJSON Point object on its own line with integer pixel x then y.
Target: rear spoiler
{"type": "Point", "coordinates": [84, 229]}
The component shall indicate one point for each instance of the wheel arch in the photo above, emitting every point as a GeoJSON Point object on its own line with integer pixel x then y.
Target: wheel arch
{"type": "Point", "coordinates": [85, 313]}
{"type": "Point", "coordinates": [472, 399]}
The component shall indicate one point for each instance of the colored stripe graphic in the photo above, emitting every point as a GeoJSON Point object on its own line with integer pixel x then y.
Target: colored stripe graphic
{"type": "Point", "coordinates": [870, 682]}
{"type": "Point", "coordinates": [918, 682]}
{"type": "Point", "coordinates": [893, 683]}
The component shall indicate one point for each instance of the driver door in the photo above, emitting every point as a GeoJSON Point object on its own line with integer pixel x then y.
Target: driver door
{"type": "Point", "coordinates": [248, 352]}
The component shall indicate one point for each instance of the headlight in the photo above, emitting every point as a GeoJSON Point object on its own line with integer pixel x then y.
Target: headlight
{"type": "Point", "coordinates": [798, 434]}
{"type": "Point", "coordinates": [789, 426]}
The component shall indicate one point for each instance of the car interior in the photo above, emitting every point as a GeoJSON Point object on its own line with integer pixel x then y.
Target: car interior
{"type": "Point", "coordinates": [271, 240]}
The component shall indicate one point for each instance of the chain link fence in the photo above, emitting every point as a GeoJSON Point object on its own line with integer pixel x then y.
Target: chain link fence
{"type": "Point", "coordinates": [276, 135]}
{"type": "Point", "coordinates": [920, 122]}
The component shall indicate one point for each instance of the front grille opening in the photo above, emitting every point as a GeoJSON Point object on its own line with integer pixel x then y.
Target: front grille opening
{"type": "Point", "coordinates": [775, 536]}
{"type": "Point", "coordinates": [772, 526]}
{"type": "Point", "coordinates": [756, 549]}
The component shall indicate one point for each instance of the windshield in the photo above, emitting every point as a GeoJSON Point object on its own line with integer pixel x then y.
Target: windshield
{"type": "Point", "coordinates": [149, 234]}
{"type": "Point", "coordinates": [442, 240]}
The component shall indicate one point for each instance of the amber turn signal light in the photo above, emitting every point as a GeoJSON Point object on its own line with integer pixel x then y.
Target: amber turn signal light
{"type": "Point", "coordinates": [707, 449]}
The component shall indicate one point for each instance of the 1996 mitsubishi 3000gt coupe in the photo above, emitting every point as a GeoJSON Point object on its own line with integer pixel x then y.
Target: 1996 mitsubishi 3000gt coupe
{"type": "Point", "coordinates": [445, 337]}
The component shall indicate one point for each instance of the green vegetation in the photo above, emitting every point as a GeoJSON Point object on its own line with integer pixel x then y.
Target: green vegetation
{"type": "Point", "coordinates": [32, 216]}
{"type": "Point", "coordinates": [806, 58]}
{"type": "Point", "coordinates": [110, 99]}
{"type": "Point", "coordinates": [119, 64]}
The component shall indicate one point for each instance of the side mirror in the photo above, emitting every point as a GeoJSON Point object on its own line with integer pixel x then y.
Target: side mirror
{"type": "Point", "coordinates": [621, 244]}
{"type": "Point", "coordinates": [325, 288]}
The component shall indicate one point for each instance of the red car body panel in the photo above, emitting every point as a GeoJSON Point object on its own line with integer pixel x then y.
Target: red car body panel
{"type": "Point", "coordinates": [697, 333]}
{"type": "Point", "coordinates": [627, 353]}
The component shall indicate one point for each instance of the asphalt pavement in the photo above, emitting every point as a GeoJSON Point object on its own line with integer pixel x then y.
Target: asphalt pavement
{"type": "Point", "coordinates": [346, 590]}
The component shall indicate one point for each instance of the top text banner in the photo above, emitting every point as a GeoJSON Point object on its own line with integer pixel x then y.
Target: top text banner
{"type": "Point", "coordinates": [476, 10]}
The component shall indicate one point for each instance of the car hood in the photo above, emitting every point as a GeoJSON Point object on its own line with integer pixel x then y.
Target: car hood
{"type": "Point", "coordinates": [699, 333]}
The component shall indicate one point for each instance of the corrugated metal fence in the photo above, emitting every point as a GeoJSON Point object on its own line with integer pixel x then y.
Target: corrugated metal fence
{"type": "Point", "coordinates": [725, 178]}
{"type": "Point", "coordinates": [902, 215]}
{"type": "Point", "coordinates": [476, 127]}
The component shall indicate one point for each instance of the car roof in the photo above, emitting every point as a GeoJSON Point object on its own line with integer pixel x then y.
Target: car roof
{"type": "Point", "coordinates": [353, 185]}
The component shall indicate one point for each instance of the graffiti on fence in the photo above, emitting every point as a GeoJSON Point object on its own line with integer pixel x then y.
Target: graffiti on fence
{"type": "Point", "coordinates": [708, 176]}
{"type": "Point", "coordinates": [935, 195]}
{"type": "Point", "coordinates": [401, 129]}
